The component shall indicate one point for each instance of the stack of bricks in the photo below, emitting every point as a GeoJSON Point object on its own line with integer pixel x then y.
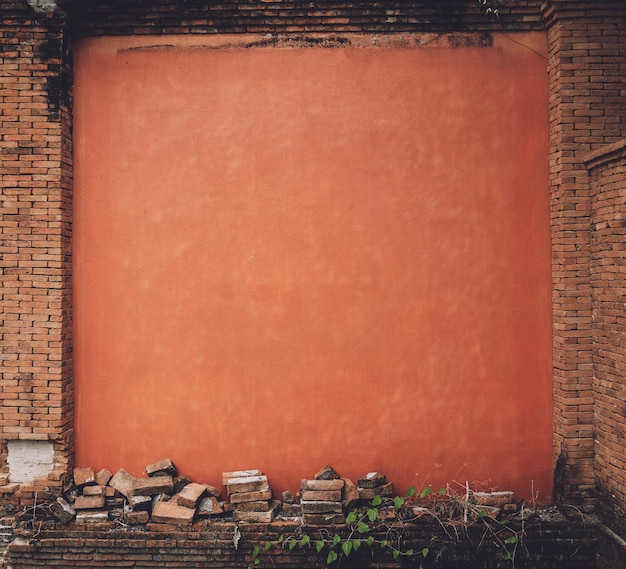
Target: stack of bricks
{"type": "Point", "coordinates": [374, 484]}
{"type": "Point", "coordinates": [250, 496]}
{"type": "Point", "coordinates": [162, 497]}
{"type": "Point", "coordinates": [325, 498]}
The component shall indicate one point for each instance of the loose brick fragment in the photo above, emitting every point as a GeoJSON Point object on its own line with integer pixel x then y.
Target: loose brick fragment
{"type": "Point", "coordinates": [92, 516]}
{"type": "Point", "coordinates": [191, 494]}
{"type": "Point", "coordinates": [84, 476]}
{"type": "Point", "coordinates": [322, 484]}
{"type": "Point", "coordinates": [62, 510]}
{"type": "Point", "coordinates": [123, 482]}
{"type": "Point", "coordinates": [247, 484]}
{"type": "Point", "coordinates": [257, 517]}
{"type": "Point", "coordinates": [370, 493]}
{"type": "Point", "coordinates": [172, 513]}
{"type": "Point", "coordinates": [89, 502]}
{"type": "Point", "coordinates": [165, 466]}
{"type": "Point", "coordinates": [239, 474]}
{"type": "Point", "coordinates": [372, 480]}
{"type": "Point", "coordinates": [152, 486]}
{"type": "Point", "coordinates": [251, 496]}
{"type": "Point", "coordinates": [321, 495]}
{"type": "Point", "coordinates": [321, 507]}
{"type": "Point", "coordinates": [327, 473]}
{"type": "Point", "coordinates": [209, 506]}
{"type": "Point", "coordinates": [103, 477]}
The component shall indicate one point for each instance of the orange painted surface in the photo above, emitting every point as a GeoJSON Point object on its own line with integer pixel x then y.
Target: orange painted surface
{"type": "Point", "coordinates": [286, 258]}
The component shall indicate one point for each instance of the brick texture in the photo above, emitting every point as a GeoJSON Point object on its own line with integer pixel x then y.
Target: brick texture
{"type": "Point", "coordinates": [35, 230]}
{"type": "Point", "coordinates": [587, 67]}
{"type": "Point", "coordinates": [607, 168]}
{"type": "Point", "coordinates": [587, 109]}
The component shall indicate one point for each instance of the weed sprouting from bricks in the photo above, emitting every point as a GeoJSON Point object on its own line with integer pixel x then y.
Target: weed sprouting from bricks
{"type": "Point", "coordinates": [383, 527]}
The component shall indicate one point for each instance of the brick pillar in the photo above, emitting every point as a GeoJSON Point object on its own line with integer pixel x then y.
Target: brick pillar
{"type": "Point", "coordinates": [36, 400]}
{"type": "Point", "coordinates": [586, 111]}
{"type": "Point", "coordinates": [607, 167]}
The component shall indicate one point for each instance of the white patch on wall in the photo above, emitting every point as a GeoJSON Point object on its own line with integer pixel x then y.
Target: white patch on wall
{"type": "Point", "coordinates": [43, 5]}
{"type": "Point", "coordinates": [29, 460]}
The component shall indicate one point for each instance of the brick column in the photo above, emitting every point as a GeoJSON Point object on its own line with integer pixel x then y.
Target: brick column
{"type": "Point", "coordinates": [36, 400]}
{"type": "Point", "coordinates": [586, 110]}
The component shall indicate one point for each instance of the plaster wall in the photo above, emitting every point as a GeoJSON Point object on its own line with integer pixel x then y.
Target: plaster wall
{"type": "Point", "coordinates": [289, 257]}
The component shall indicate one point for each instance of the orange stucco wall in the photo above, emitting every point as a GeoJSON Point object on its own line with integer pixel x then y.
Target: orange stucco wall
{"type": "Point", "coordinates": [288, 257]}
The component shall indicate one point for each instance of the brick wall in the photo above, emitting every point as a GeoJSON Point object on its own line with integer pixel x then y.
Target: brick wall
{"type": "Point", "coordinates": [35, 232]}
{"type": "Point", "coordinates": [211, 546]}
{"type": "Point", "coordinates": [608, 279]}
{"type": "Point", "coordinates": [587, 66]}
{"type": "Point", "coordinates": [587, 110]}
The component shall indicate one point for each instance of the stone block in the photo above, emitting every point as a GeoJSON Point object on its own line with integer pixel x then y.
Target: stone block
{"type": "Point", "coordinates": [151, 486]}
{"type": "Point", "coordinates": [89, 502]}
{"type": "Point", "coordinates": [84, 476]}
{"type": "Point", "coordinates": [93, 491]}
{"type": "Point", "coordinates": [322, 485]}
{"type": "Point", "coordinates": [372, 480]}
{"type": "Point", "coordinates": [213, 491]}
{"type": "Point", "coordinates": [321, 495]}
{"type": "Point", "coordinates": [162, 467]}
{"type": "Point", "coordinates": [251, 496]}
{"type": "Point", "coordinates": [191, 494]}
{"type": "Point", "coordinates": [258, 517]}
{"type": "Point", "coordinates": [172, 513]}
{"type": "Point", "coordinates": [180, 482]}
{"type": "Point", "coordinates": [123, 482]}
{"type": "Point", "coordinates": [247, 484]}
{"type": "Point", "coordinates": [291, 511]}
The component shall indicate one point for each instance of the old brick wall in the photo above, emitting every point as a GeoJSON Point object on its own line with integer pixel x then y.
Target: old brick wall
{"type": "Point", "coordinates": [586, 67]}
{"type": "Point", "coordinates": [608, 278]}
{"type": "Point", "coordinates": [587, 110]}
{"type": "Point", "coordinates": [35, 231]}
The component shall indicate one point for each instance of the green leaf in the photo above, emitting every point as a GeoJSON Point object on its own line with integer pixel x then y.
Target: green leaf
{"type": "Point", "coordinates": [410, 492]}
{"type": "Point", "coordinates": [356, 544]}
{"type": "Point", "coordinates": [362, 527]}
{"type": "Point", "coordinates": [332, 557]}
{"type": "Point", "coordinates": [336, 540]}
{"type": "Point", "coordinates": [292, 544]}
{"type": "Point", "coordinates": [398, 501]}
{"type": "Point", "coordinates": [372, 514]}
{"type": "Point", "coordinates": [256, 551]}
{"type": "Point", "coordinates": [267, 545]}
{"type": "Point", "coordinates": [305, 540]}
{"type": "Point", "coordinates": [281, 538]}
{"type": "Point", "coordinates": [319, 546]}
{"type": "Point", "coordinates": [482, 513]}
{"type": "Point", "coordinates": [257, 561]}
{"type": "Point", "coordinates": [409, 552]}
{"type": "Point", "coordinates": [512, 539]}
{"type": "Point", "coordinates": [425, 552]}
{"type": "Point", "coordinates": [441, 491]}
{"type": "Point", "coordinates": [351, 518]}
{"type": "Point", "coordinates": [383, 543]}
{"type": "Point", "coordinates": [370, 541]}
{"type": "Point", "coordinates": [508, 557]}
{"type": "Point", "coordinates": [346, 546]}
{"type": "Point", "coordinates": [426, 492]}
{"type": "Point", "coordinates": [377, 501]}
{"type": "Point", "coordinates": [396, 554]}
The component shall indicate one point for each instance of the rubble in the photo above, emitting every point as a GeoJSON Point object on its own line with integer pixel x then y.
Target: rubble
{"type": "Point", "coordinates": [166, 499]}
